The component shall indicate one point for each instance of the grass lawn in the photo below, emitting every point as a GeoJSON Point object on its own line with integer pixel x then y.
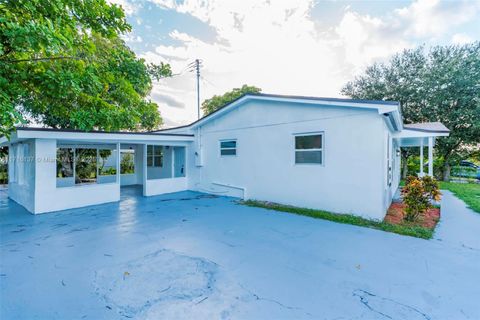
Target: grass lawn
{"type": "Point", "coordinates": [468, 192]}
{"type": "Point", "coordinates": [413, 231]}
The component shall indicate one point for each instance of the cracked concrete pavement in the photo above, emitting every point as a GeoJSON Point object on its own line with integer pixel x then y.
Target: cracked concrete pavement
{"type": "Point", "coordinates": [194, 256]}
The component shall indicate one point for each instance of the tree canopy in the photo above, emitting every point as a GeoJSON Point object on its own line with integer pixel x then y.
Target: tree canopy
{"type": "Point", "coordinates": [439, 84]}
{"type": "Point", "coordinates": [216, 102]}
{"type": "Point", "coordinates": [63, 64]}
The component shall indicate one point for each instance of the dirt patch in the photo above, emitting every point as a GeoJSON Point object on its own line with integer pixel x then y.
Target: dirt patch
{"type": "Point", "coordinates": [397, 210]}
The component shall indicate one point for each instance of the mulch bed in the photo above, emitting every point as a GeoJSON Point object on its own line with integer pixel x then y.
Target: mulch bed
{"type": "Point", "coordinates": [397, 210]}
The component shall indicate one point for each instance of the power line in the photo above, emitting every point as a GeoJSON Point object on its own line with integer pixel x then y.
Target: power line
{"type": "Point", "coordinates": [210, 82]}
{"type": "Point", "coordinates": [195, 67]}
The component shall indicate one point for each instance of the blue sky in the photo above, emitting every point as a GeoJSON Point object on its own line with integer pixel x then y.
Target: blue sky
{"type": "Point", "coordinates": [283, 46]}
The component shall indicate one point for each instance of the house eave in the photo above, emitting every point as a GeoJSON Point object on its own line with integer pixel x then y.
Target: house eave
{"type": "Point", "coordinates": [95, 136]}
{"type": "Point", "coordinates": [382, 107]}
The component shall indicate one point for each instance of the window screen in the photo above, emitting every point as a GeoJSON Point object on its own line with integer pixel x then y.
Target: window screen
{"type": "Point", "coordinates": [154, 156]}
{"type": "Point", "coordinates": [228, 147]}
{"type": "Point", "coordinates": [309, 149]}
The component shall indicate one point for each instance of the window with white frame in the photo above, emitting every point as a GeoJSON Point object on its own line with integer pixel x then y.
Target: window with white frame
{"type": "Point", "coordinates": [309, 148]}
{"type": "Point", "coordinates": [228, 147]}
{"type": "Point", "coordinates": [154, 156]}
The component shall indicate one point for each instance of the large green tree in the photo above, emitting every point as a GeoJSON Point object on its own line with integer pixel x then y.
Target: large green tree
{"type": "Point", "coordinates": [438, 84]}
{"type": "Point", "coordinates": [216, 102]}
{"type": "Point", "coordinates": [63, 64]}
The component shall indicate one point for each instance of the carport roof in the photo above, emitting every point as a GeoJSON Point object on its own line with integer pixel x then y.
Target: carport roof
{"type": "Point", "coordinates": [427, 127]}
{"type": "Point", "coordinates": [22, 133]}
{"type": "Point", "coordinates": [416, 134]}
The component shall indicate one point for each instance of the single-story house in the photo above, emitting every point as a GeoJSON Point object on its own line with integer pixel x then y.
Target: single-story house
{"type": "Point", "coordinates": [339, 155]}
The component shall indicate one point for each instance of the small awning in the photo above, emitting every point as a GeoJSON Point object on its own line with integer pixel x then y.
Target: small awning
{"type": "Point", "coordinates": [417, 134]}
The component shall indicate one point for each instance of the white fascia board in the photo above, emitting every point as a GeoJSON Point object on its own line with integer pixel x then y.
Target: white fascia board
{"type": "Point", "coordinates": [381, 108]}
{"type": "Point", "coordinates": [407, 133]}
{"type": "Point", "coordinates": [102, 137]}
{"type": "Point", "coordinates": [179, 130]}
{"type": "Point", "coordinates": [398, 119]}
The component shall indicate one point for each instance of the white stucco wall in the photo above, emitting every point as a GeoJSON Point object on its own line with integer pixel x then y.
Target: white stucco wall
{"type": "Point", "coordinates": [50, 198]}
{"type": "Point", "coordinates": [169, 185]}
{"type": "Point", "coordinates": [161, 180]}
{"type": "Point", "coordinates": [21, 167]}
{"type": "Point", "coordinates": [351, 180]}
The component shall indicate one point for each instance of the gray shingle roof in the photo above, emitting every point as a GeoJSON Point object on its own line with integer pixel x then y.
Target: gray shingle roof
{"type": "Point", "coordinates": [427, 127]}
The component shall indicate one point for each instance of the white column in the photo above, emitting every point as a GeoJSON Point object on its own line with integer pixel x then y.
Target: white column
{"type": "Point", "coordinates": [430, 156]}
{"type": "Point", "coordinates": [421, 159]}
{"type": "Point", "coordinates": [118, 163]}
{"type": "Point", "coordinates": [145, 170]}
{"type": "Point", "coordinates": [173, 162]}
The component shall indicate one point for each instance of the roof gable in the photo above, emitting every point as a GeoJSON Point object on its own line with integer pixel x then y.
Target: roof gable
{"type": "Point", "coordinates": [392, 108]}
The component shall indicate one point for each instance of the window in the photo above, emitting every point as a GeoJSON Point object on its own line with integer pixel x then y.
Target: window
{"type": "Point", "coordinates": [127, 162]}
{"type": "Point", "coordinates": [107, 165]}
{"type": "Point", "coordinates": [154, 156]}
{"type": "Point", "coordinates": [228, 147]}
{"type": "Point", "coordinates": [88, 164]}
{"type": "Point", "coordinates": [309, 149]}
{"type": "Point", "coordinates": [85, 166]}
{"type": "Point", "coordinates": [64, 162]}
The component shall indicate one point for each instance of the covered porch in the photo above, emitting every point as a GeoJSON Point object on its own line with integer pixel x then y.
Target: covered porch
{"type": "Point", "coordinates": [421, 135]}
{"type": "Point", "coordinates": [54, 170]}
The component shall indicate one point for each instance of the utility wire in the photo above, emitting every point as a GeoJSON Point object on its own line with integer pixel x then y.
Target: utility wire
{"type": "Point", "coordinates": [210, 82]}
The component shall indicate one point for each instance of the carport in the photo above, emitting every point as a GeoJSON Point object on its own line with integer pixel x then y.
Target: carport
{"type": "Point", "coordinates": [53, 169]}
{"type": "Point", "coordinates": [421, 135]}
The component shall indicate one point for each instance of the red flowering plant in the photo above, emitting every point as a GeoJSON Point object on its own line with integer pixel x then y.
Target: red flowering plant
{"type": "Point", "coordinates": [418, 194]}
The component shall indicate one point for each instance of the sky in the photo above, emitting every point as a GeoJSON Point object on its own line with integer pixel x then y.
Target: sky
{"type": "Point", "coordinates": [295, 47]}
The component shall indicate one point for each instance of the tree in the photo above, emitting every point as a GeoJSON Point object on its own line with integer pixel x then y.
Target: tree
{"type": "Point", "coordinates": [63, 64]}
{"type": "Point", "coordinates": [440, 84]}
{"type": "Point", "coordinates": [216, 102]}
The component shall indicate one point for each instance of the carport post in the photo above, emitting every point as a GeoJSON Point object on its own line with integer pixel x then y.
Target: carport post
{"type": "Point", "coordinates": [118, 163]}
{"type": "Point", "coordinates": [145, 169]}
{"type": "Point", "coordinates": [430, 156]}
{"type": "Point", "coordinates": [421, 159]}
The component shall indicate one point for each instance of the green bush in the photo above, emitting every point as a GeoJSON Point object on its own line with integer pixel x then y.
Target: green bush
{"type": "Point", "coordinates": [418, 194]}
{"type": "Point", "coordinates": [413, 166]}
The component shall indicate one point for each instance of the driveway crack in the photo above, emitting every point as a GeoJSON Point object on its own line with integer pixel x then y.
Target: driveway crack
{"type": "Point", "coordinates": [366, 297]}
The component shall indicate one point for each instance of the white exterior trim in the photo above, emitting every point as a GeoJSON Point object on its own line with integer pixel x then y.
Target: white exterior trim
{"type": "Point", "coordinates": [100, 136]}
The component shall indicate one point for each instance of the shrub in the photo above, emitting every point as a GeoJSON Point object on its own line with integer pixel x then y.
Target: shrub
{"type": "Point", "coordinates": [418, 194]}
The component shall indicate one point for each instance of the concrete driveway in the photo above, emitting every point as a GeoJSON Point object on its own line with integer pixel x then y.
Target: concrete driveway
{"type": "Point", "coordinates": [192, 256]}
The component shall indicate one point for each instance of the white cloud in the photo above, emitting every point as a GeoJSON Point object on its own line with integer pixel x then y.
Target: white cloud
{"type": "Point", "coordinates": [132, 38]}
{"type": "Point", "coordinates": [426, 18]}
{"type": "Point", "coordinates": [365, 39]}
{"type": "Point", "coordinates": [130, 7]}
{"type": "Point", "coordinates": [461, 38]}
{"type": "Point", "coordinates": [277, 46]}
